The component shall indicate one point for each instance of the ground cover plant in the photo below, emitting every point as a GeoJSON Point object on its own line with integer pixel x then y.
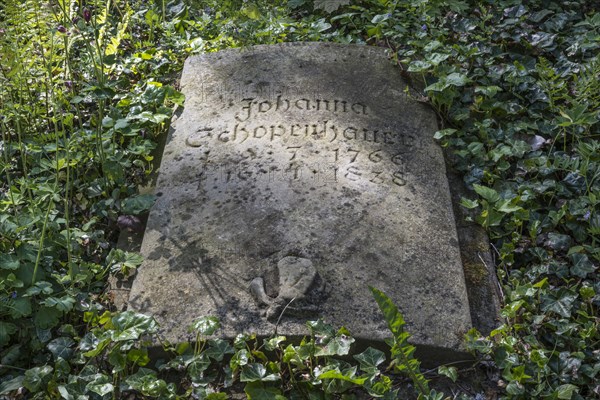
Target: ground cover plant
{"type": "Point", "coordinates": [87, 88]}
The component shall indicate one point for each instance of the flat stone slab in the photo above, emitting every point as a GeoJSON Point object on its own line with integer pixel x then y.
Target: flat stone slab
{"type": "Point", "coordinates": [297, 176]}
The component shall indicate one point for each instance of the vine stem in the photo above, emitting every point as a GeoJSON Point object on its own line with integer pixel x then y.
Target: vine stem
{"type": "Point", "coordinates": [43, 236]}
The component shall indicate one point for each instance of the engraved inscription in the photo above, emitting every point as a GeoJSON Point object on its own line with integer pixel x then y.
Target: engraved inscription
{"type": "Point", "coordinates": [375, 164]}
{"type": "Point", "coordinates": [252, 107]}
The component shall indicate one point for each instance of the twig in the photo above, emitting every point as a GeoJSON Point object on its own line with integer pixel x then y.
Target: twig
{"type": "Point", "coordinates": [281, 315]}
{"type": "Point", "coordinates": [497, 281]}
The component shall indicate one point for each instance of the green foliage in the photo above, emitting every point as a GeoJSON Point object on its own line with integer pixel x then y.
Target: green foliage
{"type": "Point", "coordinates": [87, 89]}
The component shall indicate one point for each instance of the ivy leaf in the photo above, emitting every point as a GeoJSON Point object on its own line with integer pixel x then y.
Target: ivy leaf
{"type": "Point", "coordinates": [131, 325]}
{"type": "Point", "coordinates": [419, 66]}
{"type": "Point", "coordinates": [581, 265]}
{"type": "Point", "coordinates": [138, 356]}
{"type": "Point", "coordinates": [9, 261]}
{"type": "Point", "coordinates": [218, 348]}
{"type": "Point", "coordinates": [101, 385]}
{"type": "Point", "coordinates": [566, 391]}
{"type": "Point", "coordinates": [509, 206]}
{"type": "Point", "coordinates": [558, 242]}
{"type": "Point", "coordinates": [468, 203]}
{"type": "Point", "coordinates": [256, 372]}
{"type": "Point", "coordinates": [6, 329]}
{"type": "Point", "coordinates": [370, 359]}
{"type": "Point", "coordinates": [140, 379]}
{"type": "Point", "coordinates": [61, 347]}
{"type": "Point", "coordinates": [205, 326]}
{"type": "Point", "coordinates": [450, 372]}
{"type": "Point", "coordinates": [320, 328]}
{"type": "Point", "coordinates": [330, 5]}
{"type": "Point", "coordinates": [196, 368]}
{"type": "Point", "coordinates": [273, 343]}
{"type": "Point", "coordinates": [20, 308]}
{"type": "Point", "coordinates": [454, 79]}
{"type": "Point", "coordinates": [321, 25]}
{"type": "Point", "coordinates": [443, 133]}
{"type": "Point", "coordinates": [560, 302]}
{"type": "Point", "coordinates": [35, 377]}
{"type": "Point", "coordinates": [63, 304]}
{"type": "Point", "coordinates": [251, 11]}
{"type": "Point", "coordinates": [258, 391]}
{"type": "Point", "coordinates": [487, 193]}
{"type": "Point", "coordinates": [11, 385]}
{"type": "Point", "coordinates": [138, 204]}
{"type": "Point", "coordinates": [338, 345]}
{"type": "Point", "coordinates": [46, 317]}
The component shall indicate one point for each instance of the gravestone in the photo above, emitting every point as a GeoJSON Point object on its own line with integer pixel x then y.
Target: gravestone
{"type": "Point", "coordinates": [297, 176]}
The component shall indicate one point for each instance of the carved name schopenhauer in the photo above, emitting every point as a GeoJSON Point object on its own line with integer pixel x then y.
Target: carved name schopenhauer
{"type": "Point", "coordinates": [346, 150]}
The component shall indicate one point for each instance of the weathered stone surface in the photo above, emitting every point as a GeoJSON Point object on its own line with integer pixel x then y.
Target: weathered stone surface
{"type": "Point", "coordinates": [310, 158]}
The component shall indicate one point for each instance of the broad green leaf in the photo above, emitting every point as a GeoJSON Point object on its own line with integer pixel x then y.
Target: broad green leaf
{"type": "Point", "coordinates": [443, 133]}
{"type": "Point", "coordinates": [509, 206]}
{"type": "Point", "coordinates": [138, 356]}
{"type": "Point", "coordinates": [130, 325]}
{"type": "Point", "coordinates": [11, 385]}
{"type": "Point", "coordinates": [217, 349]}
{"type": "Point", "coordinates": [252, 11]}
{"type": "Point", "coordinates": [437, 58]}
{"type": "Point", "coordinates": [468, 203]}
{"type": "Point", "coordinates": [9, 261]}
{"type": "Point", "coordinates": [450, 372]}
{"type": "Point", "coordinates": [256, 372]}
{"type": "Point", "coordinates": [63, 304]}
{"type": "Point", "coordinates": [273, 343]}
{"type": "Point", "coordinates": [138, 380]}
{"type": "Point", "coordinates": [566, 391]}
{"type": "Point", "coordinates": [487, 193]}
{"type": "Point", "coordinates": [61, 347]}
{"type": "Point", "coordinates": [240, 358]}
{"type": "Point", "coordinates": [321, 25]}
{"type": "Point", "coordinates": [454, 79]}
{"type": "Point", "coordinates": [488, 91]}
{"type": "Point", "coordinates": [138, 204]}
{"type": "Point", "coordinates": [582, 266]}
{"type": "Point", "coordinates": [560, 302]}
{"type": "Point", "coordinates": [46, 317]}
{"type": "Point", "coordinates": [381, 388]}
{"type": "Point", "coordinates": [6, 329]}
{"type": "Point", "coordinates": [36, 377]}
{"type": "Point", "coordinates": [117, 359]}
{"type": "Point", "coordinates": [291, 356]}
{"type": "Point", "coordinates": [338, 345]}
{"type": "Point", "coordinates": [380, 18]}
{"type": "Point", "coordinates": [101, 385]}
{"type": "Point", "coordinates": [370, 359]}
{"type": "Point", "coordinates": [558, 242]}
{"type": "Point", "coordinates": [20, 307]}
{"type": "Point", "coordinates": [259, 391]}
{"type": "Point", "coordinates": [320, 328]}
{"type": "Point", "coordinates": [330, 5]}
{"type": "Point", "coordinates": [205, 326]}
{"type": "Point", "coordinates": [196, 368]}
{"type": "Point", "coordinates": [419, 66]}
{"type": "Point", "coordinates": [121, 123]}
